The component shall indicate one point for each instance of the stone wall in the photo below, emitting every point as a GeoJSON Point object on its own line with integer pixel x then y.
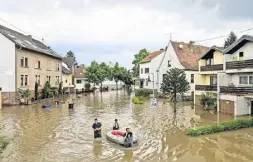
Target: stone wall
{"type": "Point", "coordinates": [9, 99]}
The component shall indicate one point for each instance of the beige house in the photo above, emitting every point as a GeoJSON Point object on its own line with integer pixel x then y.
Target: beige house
{"type": "Point", "coordinates": [26, 61]}
{"type": "Point", "coordinates": [67, 79]}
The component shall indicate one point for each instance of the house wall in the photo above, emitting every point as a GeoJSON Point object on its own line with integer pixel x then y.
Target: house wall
{"type": "Point", "coordinates": [112, 84]}
{"type": "Point", "coordinates": [67, 80]}
{"type": "Point", "coordinates": [79, 86]}
{"type": "Point", "coordinates": [202, 62]}
{"type": "Point", "coordinates": [247, 52]}
{"type": "Point", "coordinates": [218, 58]}
{"type": "Point", "coordinates": [7, 65]}
{"type": "Point", "coordinates": [44, 71]}
{"type": "Point", "coordinates": [151, 65]}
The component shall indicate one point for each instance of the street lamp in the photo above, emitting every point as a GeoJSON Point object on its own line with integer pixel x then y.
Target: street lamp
{"type": "Point", "coordinates": [153, 84]}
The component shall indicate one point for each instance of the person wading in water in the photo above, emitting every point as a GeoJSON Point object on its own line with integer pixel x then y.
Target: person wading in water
{"type": "Point", "coordinates": [97, 129]}
{"type": "Point", "coordinates": [116, 125]}
{"type": "Point", "coordinates": [128, 141]}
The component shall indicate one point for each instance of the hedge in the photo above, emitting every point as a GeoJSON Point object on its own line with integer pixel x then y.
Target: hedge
{"type": "Point", "coordinates": [136, 100]}
{"type": "Point", "coordinates": [144, 92]}
{"type": "Point", "coordinates": [224, 126]}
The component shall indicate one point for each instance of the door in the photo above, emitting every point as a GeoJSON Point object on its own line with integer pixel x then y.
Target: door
{"type": "Point", "coordinates": [227, 107]}
{"type": "Point", "coordinates": [251, 107]}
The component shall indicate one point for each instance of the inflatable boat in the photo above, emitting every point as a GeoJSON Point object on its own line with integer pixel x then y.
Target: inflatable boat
{"type": "Point", "coordinates": [117, 137]}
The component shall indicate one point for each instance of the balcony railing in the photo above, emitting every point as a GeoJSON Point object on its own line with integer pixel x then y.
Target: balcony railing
{"type": "Point", "coordinates": [239, 64]}
{"type": "Point", "coordinates": [236, 90]}
{"type": "Point", "coordinates": [206, 87]}
{"type": "Point", "coordinates": [212, 67]}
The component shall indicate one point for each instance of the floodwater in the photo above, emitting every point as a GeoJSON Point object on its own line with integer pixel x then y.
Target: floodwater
{"type": "Point", "coordinates": [62, 135]}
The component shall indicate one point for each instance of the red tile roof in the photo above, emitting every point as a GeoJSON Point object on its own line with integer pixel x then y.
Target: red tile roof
{"type": "Point", "coordinates": [189, 54]}
{"type": "Point", "coordinates": [79, 73]}
{"type": "Point", "coordinates": [151, 56]}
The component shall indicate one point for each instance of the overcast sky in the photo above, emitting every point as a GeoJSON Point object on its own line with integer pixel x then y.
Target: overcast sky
{"type": "Point", "coordinates": [114, 30]}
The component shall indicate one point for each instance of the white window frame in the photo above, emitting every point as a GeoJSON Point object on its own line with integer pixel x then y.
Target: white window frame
{"type": "Point", "coordinates": [247, 79]}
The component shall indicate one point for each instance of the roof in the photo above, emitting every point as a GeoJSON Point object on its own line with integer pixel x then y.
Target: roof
{"type": "Point", "coordinates": [79, 73]}
{"type": "Point", "coordinates": [151, 56]}
{"type": "Point", "coordinates": [27, 42]}
{"type": "Point", "coordinates": [70, 61]}
{"type": "Point", "coordinates": [65, 69]}
{"type": "Point", "coordinates": [211, 51]}
{"type": "Point", "coordinates": [238, 44]}
{"type": "Point", "coordinates": [189, 54]}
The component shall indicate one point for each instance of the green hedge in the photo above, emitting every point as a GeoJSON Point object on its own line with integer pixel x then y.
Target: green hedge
{"type": "Point", "coordinates": [144, 92]}
{"type": "Point", "coordinates": [136, 100]}
{"type": "Point", "coordinates": [3, 143]}
{"type": "Point", "coordinates": [224, 126]}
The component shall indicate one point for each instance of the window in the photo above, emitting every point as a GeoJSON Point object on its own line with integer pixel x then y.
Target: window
{"type": "Point", "coordinates": [24, 62]}
{"type": "Point", "coordinates": [164, 75]}
{"type": "Point", "coordinates": [169, 65]}
{"type": "Point", "coordinates": [78, 81]}
{"type": "Point", "coordinates": [146, 70]}
{"type": "Point", "coordinates": [209, 61]}
{"type": "Point", "coordinates": [48, 79]}
{"type": "Point", "coordinates": [243, 80]}
{"type": "Point", "coordinates": [37, 65]}
{"type": "Point", "coordinates": [213, 80]}
{"type": "Point", "coordinates": [240, 56]}
{"type": "Point", "coordinates": [24, 80]}
{"type": "Point", "coordinates": [250, 79]}
{"type": "Point", "coordinates": [141, 70]}
{"type": "Point", "coordinates": [66, 81]}
{"type": "Point", "coordinates": [57, 80]}
{"type": "Point", "coordinates": [192, 78]}
{"type": "Point", "coordinates": [57, 67]}
{"type": "Point", "coordinates": [37, 79]}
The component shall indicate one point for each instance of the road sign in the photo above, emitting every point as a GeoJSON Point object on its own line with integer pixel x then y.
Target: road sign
{"type": "Point", "coordinates": [153, 103]}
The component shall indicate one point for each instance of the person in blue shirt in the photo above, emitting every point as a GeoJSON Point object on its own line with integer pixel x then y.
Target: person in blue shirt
{"type": "Point", "coordinates": [97, 129]}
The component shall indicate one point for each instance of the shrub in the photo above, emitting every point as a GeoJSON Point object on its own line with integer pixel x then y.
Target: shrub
{"type": "Point", "coordinates": [136, 100]}
{"type": "Point", "coordinates": [60, 89]}
{"type": "Point", "coordinates": [224, 126]}
{"type": "Point", "coordinates": [208, 100]}
{"type": "Point", "coordinates": [143, 92]}
{"type": "Point", "coordinates": [87, 86]}
{"type": "Point", "coordinates": [3, 143]}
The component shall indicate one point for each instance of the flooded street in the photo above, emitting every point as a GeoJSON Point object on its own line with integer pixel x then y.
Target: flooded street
{"type": "Point", "coordinates": [62, 135]}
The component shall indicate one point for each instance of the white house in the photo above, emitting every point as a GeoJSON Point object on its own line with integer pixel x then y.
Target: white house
{"type": "Point", "coordinates": [177, 54]}
{"type": "Point", "coordinates": [236, 81]}
{"type": "Point", "coordinates": [79, 79]}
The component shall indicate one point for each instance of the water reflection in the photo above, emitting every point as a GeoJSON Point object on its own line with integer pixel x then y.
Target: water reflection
{"type": "Point", "coordinates": [63, 135]}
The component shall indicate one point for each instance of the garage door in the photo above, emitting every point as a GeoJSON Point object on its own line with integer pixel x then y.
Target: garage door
{"type": "Point", "coordinates": [227, 107]}
{"type": "Point", "coordinates": [197, 101]}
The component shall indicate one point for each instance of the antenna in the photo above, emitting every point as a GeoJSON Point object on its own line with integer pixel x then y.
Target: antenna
{"type": "Point", "coordinates": [170, 35]}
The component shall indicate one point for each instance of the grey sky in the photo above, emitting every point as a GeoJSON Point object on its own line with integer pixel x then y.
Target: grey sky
{"type": "Point", "coordinates": [113, 30]}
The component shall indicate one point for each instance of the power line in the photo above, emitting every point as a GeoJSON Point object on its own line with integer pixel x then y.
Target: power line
{"type": "Point", "coordinates": [13, 26]}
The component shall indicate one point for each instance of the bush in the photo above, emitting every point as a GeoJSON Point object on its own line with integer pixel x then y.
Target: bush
{"type": "Point", "coordinates": [208, 100]}
{"type": "Point", "coordinates": [3, 143]}
{"type": "Point", "coordinates": [224, 126]}
{"type": "Point", "coordinates": [136, 100]}
{"type": "Point", "coordinates": [143, 92]}
{"type": "Point", "coordinates": [87, 86]}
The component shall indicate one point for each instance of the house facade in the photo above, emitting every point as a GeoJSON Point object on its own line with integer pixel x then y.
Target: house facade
{"type": "Point", "coordinates": [176, 55]}
{"type": "Point", "coordinates": [236, 82]}
{"type": "Point", "coordinates": [79, 79]}
{"type": "Point", "coordinates": [67, 83]}
{"type": "Point", "coordinates": [210, 64]}
{"type": "Point", "coordinates": [25, 62]}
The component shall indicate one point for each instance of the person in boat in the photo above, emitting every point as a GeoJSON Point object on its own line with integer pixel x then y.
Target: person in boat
{"type": "Point", "coordinates": [116, 125]}
{"type": "Point", "coordinates": [97, 128]}
{"type": "Point", "coordinates": [128, 138]}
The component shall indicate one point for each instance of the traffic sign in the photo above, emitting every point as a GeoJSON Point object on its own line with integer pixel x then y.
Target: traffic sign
{"type": "Point", "coordinates": [153, 103]}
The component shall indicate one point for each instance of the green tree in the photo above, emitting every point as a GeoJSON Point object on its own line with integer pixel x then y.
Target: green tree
{"type": "Point", "coordinates": [70, 54]}
{"type": "Point", "coordinates": [46, 91]}
{"type": "Point", "coordinates": [60, 88]}
{"type": "Point", "coordinates": [137, 58]}
{"type": "Point", "coordinates": [92, 73]}
{"type": "Point", "coordinates": [102, 73]}
{"type": "Point", "coordinates": [127, 78]}
{"type": "Point", "coordinates": [117, 74]}
{"type": "Point", "coordinates": [36, 93]}
{"type": "Point", "coordinates": [175, 83]}
{"type": "Point", "coordinates": [230, 39]}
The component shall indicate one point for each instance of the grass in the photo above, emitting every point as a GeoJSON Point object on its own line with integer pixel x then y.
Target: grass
{"type": "Point", "coordinates": [3, 143]}
{"type": "Point", "coordinates": [136, 100]}
{"type": "Point", "coordinates": [222, 127]}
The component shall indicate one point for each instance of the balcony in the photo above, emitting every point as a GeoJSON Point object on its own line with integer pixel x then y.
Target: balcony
{"type": "Point", "coordinates": [206, 87]}
{"type": "Point", "coordinates": [236, 90]}
{"type": "Point", "coordinates": [212, 67]}
{"type": "Point", "coordinates": [239, 64]}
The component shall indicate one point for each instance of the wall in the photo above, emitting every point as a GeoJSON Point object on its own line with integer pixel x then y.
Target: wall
{"type": "Point", "coordinates": [7, 65]}
{"type": "Point", "coordinates": [242, 108]}
{"type": "Point", "coordinates": [112, 84]}
{"type": "Point", "coordinates": [202, 62]}
{"type": "Point", "coordinates": [247, 49]}
{"type": "Point", "coordinates": [67, 78]}
{"type": "Point", "coordinates": [31, 71]}
{"type": "Point", "coordinates": [224, 79]}
{"type": "Point", "coordinates": [145, 76]}
{"type": "Point", "coordinates": [218, 58]}
{"type": "Point", "coordinates": [81, 85]}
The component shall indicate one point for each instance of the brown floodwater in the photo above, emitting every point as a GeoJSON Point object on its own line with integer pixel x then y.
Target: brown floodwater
{"type": "Point", "coordinates": [62, 135]}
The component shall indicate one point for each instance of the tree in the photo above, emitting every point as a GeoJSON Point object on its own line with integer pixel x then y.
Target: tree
{"type": "Point", "coordinates": [60, 88]}
{"type": "Point", "coordinates": [137, 58]}
{"type": "Point", "coordinates": [91, 73]}
{"type": "Point", "coordinates": [230, 39]}
{"type": "Point", "coordinates": [102, 73]}
{"type": "Point", "coordinates": [36, 93]}
{"type": "Point", "coordinates": [127, 78]}
{"type": "Point", "coordinates": [81, 66]}
{"type": "Point", "coordinates": [70, 54]}
{"type": "Point", "coordinates": [117, 74]}
{"type": "Point", "coordinates": [175, 83]}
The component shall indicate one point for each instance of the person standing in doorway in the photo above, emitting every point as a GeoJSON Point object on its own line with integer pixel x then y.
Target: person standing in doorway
{"type": "Point", "coordinates": [97, 126]}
